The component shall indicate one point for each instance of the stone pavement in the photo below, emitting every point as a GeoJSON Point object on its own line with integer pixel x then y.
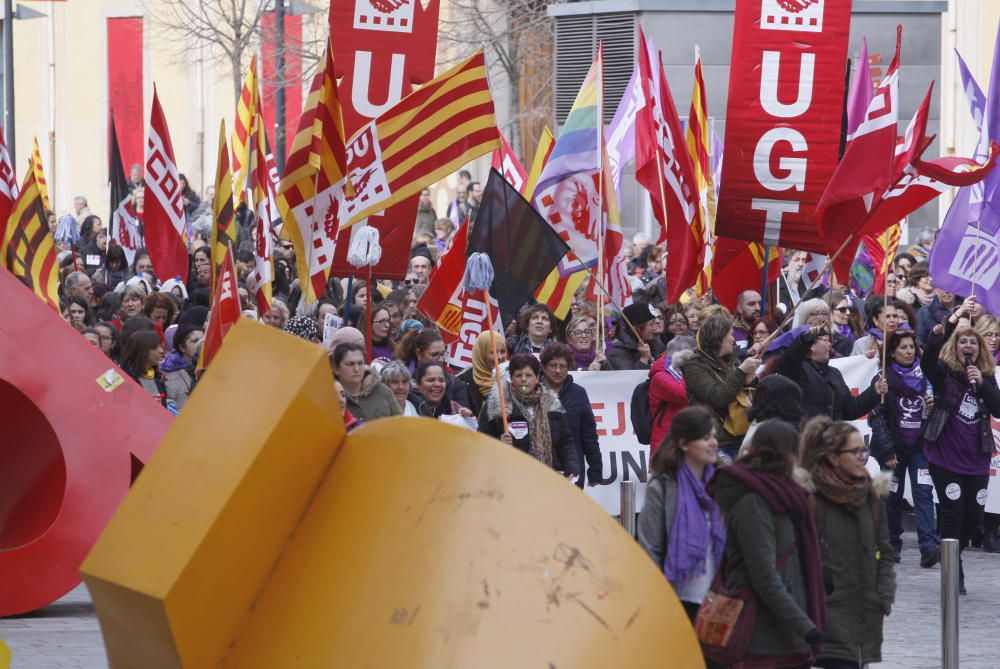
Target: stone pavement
{"type": "Point", "coordinates": [66, 634]}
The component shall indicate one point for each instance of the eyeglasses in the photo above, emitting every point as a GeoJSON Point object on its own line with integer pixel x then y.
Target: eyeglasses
{"type": "Point", "coordinates": [557, 366]}
{"type": "Point", "coordinates": [588, 332]}
{"type": "Point", "coordinates": [437, 355]}
{"type": "Point", "coordinates": [856, 452]}
{"type": "Point", "coordinates": [842, 310]}
{"type": "Point", "coordinates": [657, 318]}
{"type": "Point", "coordinates": [992, 335]}
{"type": "Point", "coordinates": [382, 321]}
{"type": "Point", "coordinates": [411, 282]}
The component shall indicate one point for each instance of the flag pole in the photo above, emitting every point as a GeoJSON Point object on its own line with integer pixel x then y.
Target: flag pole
{"type": "Point", "coordinates": [601, 333]}
{"type": "Point", "coordinates": [763, 279]}
{"type": "Point", "coordinates": [496, 359]}
{"type": "Point", "coordinates": [479, 277]}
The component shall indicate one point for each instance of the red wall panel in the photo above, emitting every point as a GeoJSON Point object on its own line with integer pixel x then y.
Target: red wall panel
{"type": "Point", "coordinates": [125, 86]}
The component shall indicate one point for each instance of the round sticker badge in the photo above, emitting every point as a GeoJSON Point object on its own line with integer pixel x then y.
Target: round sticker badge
{"type": "Point", "coordinates": [981, 497]}
{"type": "Point", "coordinates": [953, 491]}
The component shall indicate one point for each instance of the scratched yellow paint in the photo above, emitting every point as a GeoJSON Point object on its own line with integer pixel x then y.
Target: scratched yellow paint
{"type": "Point", "coordinates": [4, 655]}
{"type": "Point", "coordinates": [424, 546]}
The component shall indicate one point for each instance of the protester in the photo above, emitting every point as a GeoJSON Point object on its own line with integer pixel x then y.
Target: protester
{"type": "Point", "coordinates": [536, 419]}
{"type": "Point", "coordinates": [747, 310]}
{"type": "Point", "coordinates": [160, 309]}
{"type": "Point", "coordinates": [712, 379]}
{"type": "Point", "coordinates": [681, 527]}
{"type": "Point", "coordinates": [806, 361]}
{"type": "Point", "coordinates": [178, 367]}
{"type": "Point", "coordinates": [635, 345]}
{"type": "Point", "coordinates": [350, 422]}
{"type": "Point", "coordinates": [854, 536]}
{"type": "Point", "coordinates": [278, 315]}
{"type": "Point", "coordinates": [140, 360]}
{"type": "Point", "coordinates": [557, 361]}
{"type": "Point", "coordinates": [132, 303]}
{"type": "Point", "coordinates": [667, 392]}
{"type": "Point", "coordinates": [958, 439]}
{"type": "Point", "coordinates": [108, 338]}
{"type": "Point", "coordinates": [895, 443]}
{"type": "Point", "coordinates": [78, 312]}
{"type": "Point", "coordinates": [581, 335]}
{"type": "Point", "coordinates": [988, 326]}
{"type": "Point", "coordinates": [367, 397]}
{"type": "Point", "coordinates": [429, 395]}
{"type": "Point", "coordinates": [773, 548]}
{"type": "Point", "coordinates": [776, 398]}
{"type": "Point", "coordinates": [480, 378]}
{"type": "Point", "coordinates": [919, 289]}
{"type": "Point", "coordinates": [536, 325]}
{"type": "Point", "coordinates": [881, 318]}
{"type": "Point", "coordinates": [380, 336]}
{"type": "Point", "coordinates": [842, 333]}
{"type": "Point", "coordinates": [944, 303]}
{"type": "Point", "coordinates": [397, 378]}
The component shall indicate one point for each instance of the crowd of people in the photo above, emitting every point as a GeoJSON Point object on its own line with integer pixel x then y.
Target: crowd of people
{"type": "Point", "coordinates": [755, 477]}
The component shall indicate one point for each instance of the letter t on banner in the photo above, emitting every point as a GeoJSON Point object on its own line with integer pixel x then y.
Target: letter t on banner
{"type": "Point", "coordinates": [786, 98]}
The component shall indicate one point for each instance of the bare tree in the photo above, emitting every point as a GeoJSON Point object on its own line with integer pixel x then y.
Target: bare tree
{"type": "Point", "coordinates": [231, 30]}
{"type": "Point", "coordinates": [518, 38]}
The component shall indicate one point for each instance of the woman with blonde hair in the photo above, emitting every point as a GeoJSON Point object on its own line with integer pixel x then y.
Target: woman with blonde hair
{"type": "Point", "coordinates": [854, 541]}
{"type": "Point", "coordinates": [988, 326]}
{"type": "Point", "coordinates": [958, 439]}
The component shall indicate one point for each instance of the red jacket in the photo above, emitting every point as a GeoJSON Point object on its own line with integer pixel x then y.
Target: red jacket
{"type": "Point", "coordinates": [666, 389]}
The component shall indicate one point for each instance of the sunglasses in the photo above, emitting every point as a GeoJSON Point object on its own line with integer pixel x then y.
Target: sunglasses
{"type": "Point", "coordinates": [842, 310]}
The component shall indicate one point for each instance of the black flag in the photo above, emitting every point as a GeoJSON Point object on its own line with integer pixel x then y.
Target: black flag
{"type": "Point", "coordinates": [522, 245]}
{"type": "Point", "coordinates": [125, 229]}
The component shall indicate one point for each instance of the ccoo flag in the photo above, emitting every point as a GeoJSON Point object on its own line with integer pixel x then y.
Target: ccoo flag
{"type": "Point", "coordinates": [163, 218]}
{"type": "Point", "coordinates": [522, 246]}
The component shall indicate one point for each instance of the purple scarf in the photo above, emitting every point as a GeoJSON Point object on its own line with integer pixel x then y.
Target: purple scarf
{"type": "Point", "coordinates": [875, 332]}
{"type": "Point", "coordinates": [690, 535]}
{"type": "Point", "coordinates": [846, 332]}
{"type": "Point", "coordinates": [584, 358]}
{"type": "Point", "coordinates": [907, 381]}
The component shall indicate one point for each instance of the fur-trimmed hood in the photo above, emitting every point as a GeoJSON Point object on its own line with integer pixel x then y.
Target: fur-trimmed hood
{"type": "Point", "coordinates": [369, 382]}
{"type": "Point", "coordinates": [550, 402]}
{"type": "Point", "coordinates": [881, 482]}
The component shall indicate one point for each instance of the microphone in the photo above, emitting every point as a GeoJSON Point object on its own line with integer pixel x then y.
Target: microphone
{"type": "Point", "coordinates": [968, 363]}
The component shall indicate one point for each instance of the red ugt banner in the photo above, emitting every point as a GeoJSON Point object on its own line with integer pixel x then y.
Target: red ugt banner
{"type": "Point", "coordinates": [382, 49]}
{"type": "Point", "coordinates": [786, 95]}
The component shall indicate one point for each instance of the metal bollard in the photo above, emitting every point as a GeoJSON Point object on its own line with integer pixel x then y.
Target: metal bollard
{"type": "Point", "coordinates": [627, 509]}
{"type": "Point", "coordinates": [949, 603]}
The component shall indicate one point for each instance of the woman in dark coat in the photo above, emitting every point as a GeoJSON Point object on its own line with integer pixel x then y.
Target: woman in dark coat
{"type": "Point", "coordinates": [536, 419]}
{"type": "Point", "coordinates": [430, 396]}
{"type": "Point", "coordinates": [958, 439]}
{"type": "Point", "coordinates": [858, 572]}
{"type": "Point", "coordinates": [557, 360]}
{"type": "Point", "coordinates": [772, 547]}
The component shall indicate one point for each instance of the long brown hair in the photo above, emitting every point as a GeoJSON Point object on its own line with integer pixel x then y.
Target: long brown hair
{"type": "Point", "coordinates": [688, 424]}
{"type": "Point", "coordinates": [820, 436]}
{"type": "Point", "coordinates": [984, 360]}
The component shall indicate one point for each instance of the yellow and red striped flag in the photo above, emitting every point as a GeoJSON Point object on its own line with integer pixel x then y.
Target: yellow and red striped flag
{"type": "Point", "coordinates": [312, 191]}
{"type": "Point", "coordinates": [43, 186]}
{"type": "Point", "coordinates": [27, 250]}
{"type": "Point", "coordinates": [247, 110]}
{"type": "Point", "coordinates": [423, 138]}
{"type": "Point", "coordinates": [698, 143]}
{"type": "Point", "coordinates": [556, 291]}
{"type": "Point", "coordinates": [882, 249]}
{"type": "Point", "coordinates": [223, 214]}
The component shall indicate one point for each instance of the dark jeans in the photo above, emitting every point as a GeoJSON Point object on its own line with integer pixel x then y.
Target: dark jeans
{"type": "Point", "coordinates": [961, 498]}
{"type": "Point", "coordinates": [923, 501]}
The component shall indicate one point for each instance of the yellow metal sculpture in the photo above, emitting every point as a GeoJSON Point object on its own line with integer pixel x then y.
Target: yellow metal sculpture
{"type": "Point", "coordinates": [259, 535]}
{"type": "Point", "coordinates": [4, 655]}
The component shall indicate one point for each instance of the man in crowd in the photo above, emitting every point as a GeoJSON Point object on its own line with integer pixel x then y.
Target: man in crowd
{"type": "Point", "coordinates": [79, 284]}
{"type": "Point", "coordinates": [475, 198]}
{"type": "Point", "coordinates": [922, 249]}
{"type": "Point", "coordinates": [747, 309]}
{"type": "Point", "coordinates": [425, 214]}
{"type": "Point", "coordinates": [790, 284]}
{"type": "Point", "coordinates": [420, 264]}
{"type": "Point", "coordinates": [80, 208]}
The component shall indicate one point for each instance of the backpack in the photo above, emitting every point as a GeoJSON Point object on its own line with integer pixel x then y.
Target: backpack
{"type": "Point", "coordinates": [642, 421]}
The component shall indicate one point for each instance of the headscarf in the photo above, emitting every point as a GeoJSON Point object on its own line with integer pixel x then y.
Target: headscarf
{"type": "Point", "coordinates": [304, 327]}
{"type": "Point", "coordinates": [482, 371]}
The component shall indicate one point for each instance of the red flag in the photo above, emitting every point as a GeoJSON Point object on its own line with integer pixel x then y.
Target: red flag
{"type": "Point", "coordinates": [505, 162]}
{"type": "Point", "coordinates": [163, 217]}
{"type": "Point", "coordinates": [664, 168]}
{"type": "Point", "coordinates": [739, 265]}
{"type": "Point", "coordinates": [867, 167]}
{"type": "Point", "coordinates": [441, 301]}
{"type": "Point", "coordinates": [226, 310]}
{"type": "Point", "coordinates": [8, 185]}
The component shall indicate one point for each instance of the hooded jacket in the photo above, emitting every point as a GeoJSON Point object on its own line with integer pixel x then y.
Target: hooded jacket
{"type": "Point", "coordinates": [374, 399]}
{"type": "Point", "coordinates": [858, 572]}
{"type": "Point", "coordinates": [178, 378]}
{"type": "Point", "coordinates": [713, 384]}
{"type": "Point", "coordinates": [624, 350]}
{"type": "Point", "coordinates": [666, 390]}
{"type": "Point", "coordinates": [563, 448]}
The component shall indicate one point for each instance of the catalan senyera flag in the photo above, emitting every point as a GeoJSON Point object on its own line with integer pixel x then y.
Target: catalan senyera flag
{"type": "Point", "coordinates": [223, 213]}
{"type": "Point", "coordinates": [698, 141]}
{"type": "Point", "coordinates": [27, 250]}
{"type": "Point", "coordinates": [246, 112]}
{"type": "Point", "coordinates": [421, 139]}
{"type": "Point", "coordinates": [43, 187]}
{"type": "Point", "coordinates": [882, 249]}
{"type": "Point", "coordinates": [226, 310]}
{"type": "Point", "coordinates": [313, 189]}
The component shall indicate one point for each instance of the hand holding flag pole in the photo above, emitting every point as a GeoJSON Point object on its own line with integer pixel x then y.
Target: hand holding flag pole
{"type": "Point", "coordinates": [479, 276]}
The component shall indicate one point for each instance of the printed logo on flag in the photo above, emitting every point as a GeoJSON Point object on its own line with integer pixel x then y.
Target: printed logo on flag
{"type": "Point", "coordinates": [572, 207]}
{"type": "Point", "coordinates": [329, 207]}
{"type": "Point", "coordinates": [977, 259]}
{"type": "Point", "coordinates": [385, 15]}
{"type": "Point", "coordinates": [162, 180]}
{"type": "Point", "coordinates": [364, 164]}
{"type": "Point", "coordinates": [511, 173]}
{"type": "Point", "coordinates": [800, 15]}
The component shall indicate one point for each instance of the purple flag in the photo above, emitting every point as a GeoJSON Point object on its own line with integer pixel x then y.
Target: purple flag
{"type": "Point", "coordinates": [861, 92]}
{"type": "Point", "coordinates": [966, 256]}
{"type": "Point", "coordinates": [973, 93]}
{"type": "Point", "coordinates": [619, 138]}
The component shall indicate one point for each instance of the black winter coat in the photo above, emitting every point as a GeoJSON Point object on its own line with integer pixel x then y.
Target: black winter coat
{"type": "Point", "coordinates": [624, 351]}
{"type": "Point", "coordinates": [823, 389]}
{"type": "Point", "coordinates": [583, 426]}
